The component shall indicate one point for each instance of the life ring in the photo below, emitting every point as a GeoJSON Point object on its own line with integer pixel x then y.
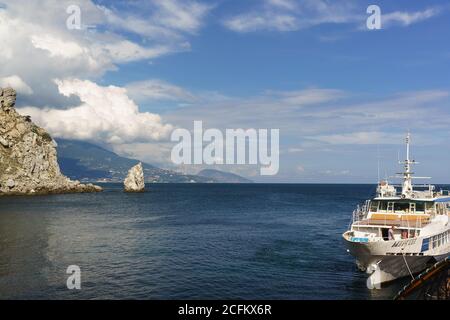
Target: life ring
{"type": "Point", "coordinates": [403, 196]}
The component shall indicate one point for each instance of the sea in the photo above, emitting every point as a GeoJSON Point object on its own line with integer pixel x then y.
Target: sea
{"type": "Point", "coordinates": [185, 241]}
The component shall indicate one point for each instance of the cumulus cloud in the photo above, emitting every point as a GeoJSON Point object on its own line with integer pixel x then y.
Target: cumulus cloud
{"type": "Point", "coordinates": [17, 83]}
{"type": "Point", "coordinates": [38, 48]}
{"type": "Point", "coordinates": [106, 114]}
{"type": "Point", "coordinates": [38, 29]}
{"type": "Point", "coordinates": [57, 47]}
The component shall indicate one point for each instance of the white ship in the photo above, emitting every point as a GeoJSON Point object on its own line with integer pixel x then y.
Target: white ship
{"type": "Point", "coordinates": [400, 231]}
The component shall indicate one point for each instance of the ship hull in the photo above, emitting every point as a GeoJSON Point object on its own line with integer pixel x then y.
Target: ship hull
{"type": "Point", "coordinates": [382, 268]}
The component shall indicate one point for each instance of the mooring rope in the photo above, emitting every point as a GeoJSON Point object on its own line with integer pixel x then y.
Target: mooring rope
{"type": "Point", "coordinates": [407, 266]}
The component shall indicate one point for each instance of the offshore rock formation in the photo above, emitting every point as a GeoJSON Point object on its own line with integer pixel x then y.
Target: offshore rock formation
{"type": "Point", "coordinates": [134, 182]}
{"type": "Point", "coordinates": [28, 160]}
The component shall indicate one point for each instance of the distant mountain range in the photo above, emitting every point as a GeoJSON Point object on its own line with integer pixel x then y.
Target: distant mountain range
{"type": "Point", "coordinates": [223, 177]}
{"type": "Point", "coordinates": [85, 161]}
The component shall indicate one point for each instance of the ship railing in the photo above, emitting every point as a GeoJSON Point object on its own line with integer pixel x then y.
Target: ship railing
{"type": "Point", "coordinates": [360, 213]}
{"type": "Point", "coordinates": [399, 223]}
{"type": "Point", "coordinates": [360, 216]}
{"type": "Point", "coordinates": [420, 191]}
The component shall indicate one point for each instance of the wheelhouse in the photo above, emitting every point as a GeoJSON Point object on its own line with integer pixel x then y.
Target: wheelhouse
{"type": "Point", "coordinates": [408, 206]}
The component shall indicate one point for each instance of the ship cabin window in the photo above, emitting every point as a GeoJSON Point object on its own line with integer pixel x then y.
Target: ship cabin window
{"type": "Point", "coordinates": [439, 240]}
{"type": "Point", "coordinates": [420, 206]}
{"type": "Point", "coordinates": [401, 206]}
{"type": "Point", "coordinates": [374, 206]}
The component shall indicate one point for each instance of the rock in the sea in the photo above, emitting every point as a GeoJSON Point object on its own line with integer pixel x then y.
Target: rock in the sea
{"type": "Point", "coordinates": [134, 182]}
{"type": "Point", "coordinates": [28, 159]}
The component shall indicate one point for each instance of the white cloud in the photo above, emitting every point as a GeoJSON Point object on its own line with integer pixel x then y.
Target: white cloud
{"type": "Point", "coordinates": [57, 47]}
{"type": "Point", "coordinates": [262, 21]}
{"type": "Point", "coordinates": [154, 89]}
{"type": "Point", "coordinates": [17, 83]}
{"type": "Point", "coordinates": [168, 19]}
{"type": "Point", "coordinates": [137, 25]}
{"type": "Point", "coordinates": [335, 172]}
{"type": "Point", "coordinates": [408, 18]}
{"type": "Point", "coordinates": [295, 150]}
{"type": "Point", "coordinates": [182, 15]}
{"type": "Point", "coordinates": [127, 51]}
{"type": "Point", "coordinates": [334, 122]}
{"type": "Point", "coordinates": [106, 114]}
{"type": "Point", "coordinates": [359, 138]}
{"type": "Point", "coordinates": [286, 4]}
{"type": "Point", "coordinates": [38, 48]}
{"type": "Point", "coordinates": [335, 117]}
{"type": "Point", "coordinates": [288, 15]}
{"type": "Point", "coordinates": [272, 109]}
{"type": "Point", "coordinates": [37, 29]}
{"type": "Point", "coordinates": [311, 96]}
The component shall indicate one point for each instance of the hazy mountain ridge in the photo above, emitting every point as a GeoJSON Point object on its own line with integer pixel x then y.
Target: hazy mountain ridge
{"type": "Point", "coordinates": [223, 177]}
{"type": "Point", "coordinates": [88, 162]}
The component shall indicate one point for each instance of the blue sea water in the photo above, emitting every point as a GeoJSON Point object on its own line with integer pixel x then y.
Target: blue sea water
{"type": "Point", "coordinates": [185, 241]}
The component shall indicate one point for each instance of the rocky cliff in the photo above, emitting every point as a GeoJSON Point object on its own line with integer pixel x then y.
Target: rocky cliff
{"type": "Point", "coordinates": [28, 159]}
{"type": "Point", "coordinates": [134, 182]}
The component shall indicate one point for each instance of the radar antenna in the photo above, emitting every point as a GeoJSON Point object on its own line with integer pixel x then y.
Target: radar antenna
{"type": "Point", "coordinates": [407, 175]}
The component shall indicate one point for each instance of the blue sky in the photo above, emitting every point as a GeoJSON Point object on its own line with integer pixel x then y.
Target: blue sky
{"type": "Point", "coordinates": [245, 64]}
{"type": "Point", "coordinates": [341, 95]}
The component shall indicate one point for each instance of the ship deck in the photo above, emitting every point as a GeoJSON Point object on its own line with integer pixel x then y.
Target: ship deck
{"type": "Point", "coordinates": [389, 223]}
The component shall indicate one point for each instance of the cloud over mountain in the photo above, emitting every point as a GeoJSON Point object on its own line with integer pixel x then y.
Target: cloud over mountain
{"type": "Point", "coordinates": [106, 114]}
{"type": "Point", "coordinates": [39, 47]}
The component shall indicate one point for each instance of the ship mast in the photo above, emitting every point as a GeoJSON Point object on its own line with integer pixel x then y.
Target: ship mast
{"type": "Point", "coordinates": [407, 174]}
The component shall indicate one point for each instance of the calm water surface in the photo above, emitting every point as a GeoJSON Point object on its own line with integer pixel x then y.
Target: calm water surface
{"type": "Point", "coordinates": [185, 241]}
